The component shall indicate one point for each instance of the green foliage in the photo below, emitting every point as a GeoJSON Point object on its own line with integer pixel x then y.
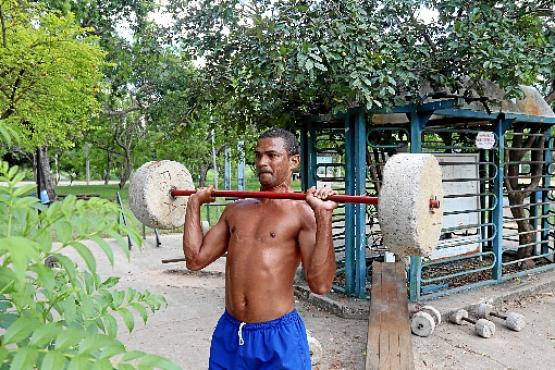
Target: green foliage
{"type": "Point", "coordinates": [49, 73]}
{"type": "Point", "coordinates": [266, 59]}
{"type": "Point", "coordinates": [55, 313]}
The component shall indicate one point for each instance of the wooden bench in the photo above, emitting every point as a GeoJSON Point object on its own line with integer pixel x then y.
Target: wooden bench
{"type": "Point", "coordinates": [389, 336]}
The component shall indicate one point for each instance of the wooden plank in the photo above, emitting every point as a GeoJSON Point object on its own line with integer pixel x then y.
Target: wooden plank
{"type": "Point", "coordinates": [372, 348]}
{"type": "Point", "coordinates": [406, 356]}
{"type": "Point", "coordinates": [389, 341]}
{"type": "Point", "coordinates": [387, 326]}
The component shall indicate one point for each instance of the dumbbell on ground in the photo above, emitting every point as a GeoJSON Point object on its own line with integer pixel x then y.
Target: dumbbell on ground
{"type": "Point", "coordinates": [513, 320]}
{"type": "Point", "coordinates": [424, 321]}
{"type": "Point", "coordinates": [484, 328]}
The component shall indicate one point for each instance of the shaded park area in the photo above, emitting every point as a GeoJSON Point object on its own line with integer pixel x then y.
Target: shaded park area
{"type": "Point", "coordinates": [92, 90]}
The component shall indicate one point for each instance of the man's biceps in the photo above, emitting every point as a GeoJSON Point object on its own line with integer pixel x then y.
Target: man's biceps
{"type": "Point", "coordinates": [306, 239]}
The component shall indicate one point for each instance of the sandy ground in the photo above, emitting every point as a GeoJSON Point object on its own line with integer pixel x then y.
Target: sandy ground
{"type": "Point", "coordinates": [182, 330]}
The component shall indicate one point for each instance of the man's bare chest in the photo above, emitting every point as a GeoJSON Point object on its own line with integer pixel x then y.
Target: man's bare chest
{"type": "Point", "coordinates": [263, 225]}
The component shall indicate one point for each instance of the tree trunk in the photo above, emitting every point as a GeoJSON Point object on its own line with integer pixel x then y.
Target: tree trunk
{"type": "Point", "coordinates": [127, 168]}
{"type": "Point", "coordinates": [203, 172]}
{"type": "Point", "coordinates": [57, 167]}
{"type": "Point", "coordinates": [108, 168]}
{"type": "Point", "coordinates": [44, 175]}
{"type": "Point", "coordinates": [517, 192]}
{"type": "Point", "coordinates": [88, 171]}
{"type": "Point", "coordinates": [525, 230]}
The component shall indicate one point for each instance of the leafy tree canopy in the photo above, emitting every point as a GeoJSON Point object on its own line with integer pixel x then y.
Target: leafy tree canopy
{"type": "Point", "coordinates": [49, 73]}
{"type": "Point", "coordinates": [265, 59]}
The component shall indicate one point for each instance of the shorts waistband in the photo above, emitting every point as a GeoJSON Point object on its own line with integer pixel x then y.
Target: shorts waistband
{"type": "Point", "coordinates": [292, 316]}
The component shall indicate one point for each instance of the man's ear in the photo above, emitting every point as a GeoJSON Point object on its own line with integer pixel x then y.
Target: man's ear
{"type": "Point", "coordinates": [295, 160]}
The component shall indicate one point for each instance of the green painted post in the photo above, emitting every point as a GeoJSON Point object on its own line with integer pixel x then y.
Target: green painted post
{"type": "Point", "coordinates": [417, 123]}
{"type": "Point", "coordinates": [349, 207]}
{"type": "Point", "coordinates": [360, 209]}
{"type": "Point", "coordinates": [546, 206]}
{"type": "Point", "coordinates": [501, 126]}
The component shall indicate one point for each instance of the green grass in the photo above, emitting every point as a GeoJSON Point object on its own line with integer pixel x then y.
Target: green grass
{"type": "Point", "coordinates": [102, 191]}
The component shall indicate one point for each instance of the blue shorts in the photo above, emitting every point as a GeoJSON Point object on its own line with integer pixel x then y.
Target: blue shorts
{"type": "Point", "coordinates": [276, 345]}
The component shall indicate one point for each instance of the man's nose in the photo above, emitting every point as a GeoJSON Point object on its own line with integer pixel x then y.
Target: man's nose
{"type": "Point", "coordinates": [262, 161]}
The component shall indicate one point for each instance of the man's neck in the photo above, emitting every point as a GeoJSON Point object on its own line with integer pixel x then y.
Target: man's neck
{"type": "Point", "coordinates": [281, 188]}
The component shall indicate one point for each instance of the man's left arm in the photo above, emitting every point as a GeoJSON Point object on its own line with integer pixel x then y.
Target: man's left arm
{"type": "Point", "coordinates": [316, 241]}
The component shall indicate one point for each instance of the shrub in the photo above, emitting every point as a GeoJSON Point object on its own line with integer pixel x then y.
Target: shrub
{"type": "Point", "coordinates": [54, 314]}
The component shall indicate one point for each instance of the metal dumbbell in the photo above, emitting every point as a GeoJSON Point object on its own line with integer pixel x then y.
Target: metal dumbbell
{"type": "Point", "coordinates": [512, 320]}
{"type": "Point", "coordinates": [424, 321]}
{"type": "Point", "coordinates": [484, 328]}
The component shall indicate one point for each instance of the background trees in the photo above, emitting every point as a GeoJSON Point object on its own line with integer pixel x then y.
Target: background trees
{"type": "Point", "coordinates": [273, 58]}
{"type": "Point", "coordinates": [265, 62]}
{"type": "Point", "coordinates": [240, 65]}
{"type": "Point", "coordinates": [50, 70]}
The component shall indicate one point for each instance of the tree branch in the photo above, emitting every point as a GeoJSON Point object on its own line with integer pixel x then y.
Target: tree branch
{"type": "Point", "coordinates": [3, 25]}
{"type": "Point", "coordinates": [427, 37]}
{"type": "Point", "coordinates": [551, 95]}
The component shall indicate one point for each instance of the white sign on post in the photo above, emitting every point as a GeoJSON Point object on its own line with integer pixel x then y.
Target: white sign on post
{"type": "Point", "coordinates": [485, 140]}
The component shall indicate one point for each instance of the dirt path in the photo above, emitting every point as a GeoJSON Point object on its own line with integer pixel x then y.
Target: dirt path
{"type": "Point", "coordinates": [182, 331]}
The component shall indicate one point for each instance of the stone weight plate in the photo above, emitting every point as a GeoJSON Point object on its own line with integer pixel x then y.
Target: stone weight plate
{"type": "Point", "coordinates": [408, 224]}
{"type": "Point", "coordinates": [515, 321]}
{"type": "Point", "coordinates": [484, 328]}
{"type": "Point", "coordinates": [434, 313]}
{"type": "Point", "coordinates": [149, 194]}
{"type": "Point", "coordinates": [315, 349]}
{"type": "Point", "coordinates": [422, 324]}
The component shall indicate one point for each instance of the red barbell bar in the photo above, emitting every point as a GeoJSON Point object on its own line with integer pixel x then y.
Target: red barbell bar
{"type": "Point", "coordinates": [341, 198]}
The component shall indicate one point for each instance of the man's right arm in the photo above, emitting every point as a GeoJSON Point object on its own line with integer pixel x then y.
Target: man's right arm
{"type": "Point", "coordinates": [201, 250]}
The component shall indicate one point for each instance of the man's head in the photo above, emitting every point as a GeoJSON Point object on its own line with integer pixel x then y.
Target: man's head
{"type": "Point", "coordinates": [277, 155]}
{"type": "Point", "coordinates": [289, 140]}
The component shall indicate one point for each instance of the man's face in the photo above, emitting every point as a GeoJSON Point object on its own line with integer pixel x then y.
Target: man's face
{"type": "Point", "coordinates": [273, 164]}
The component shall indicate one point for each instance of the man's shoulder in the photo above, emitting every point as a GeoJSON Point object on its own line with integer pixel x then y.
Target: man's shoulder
{"type": "Point", "coordinates": [240, 204]}
{"type": "Point", "coordinates": [302, 209]}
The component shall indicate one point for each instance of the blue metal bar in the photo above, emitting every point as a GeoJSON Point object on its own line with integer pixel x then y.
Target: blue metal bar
{"type": "Point", "coordinates": [304, 157]}
{"type": "Point", "coordinates": [349, 207]}
{"type": "Point", "coordinates": [500, 128]}
{"type": "Point", "coordinates": [519, 117]}
{"type": "Point", "coordinates": [449, 108]}
{"type": "Point", "coordinates": [473, 114]}
{"type": "Point", "coordinates": [438, 105]}
{"type": "Point", "coordinates": [122, 218]}
{"type": "Point", "coordinates": [467, 113]}
{"type": "Point", "coordinates": [546, 182]}
{"type": "Point", "coordinates": [360, 189]}
{"type": "Point", "coordinates": [311, 176]}
{"type": "Point", "coordinates": [241, 166]}
{"type": "Point", "coordinates": [417, 124]}
{"type": "Point", "coordinates": [227, 168]}
{"type": "Point", "coordinates": [308, 158]}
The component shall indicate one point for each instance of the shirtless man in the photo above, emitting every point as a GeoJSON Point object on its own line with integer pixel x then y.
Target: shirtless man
{"type": "Point", "coordinates": [265, 240]}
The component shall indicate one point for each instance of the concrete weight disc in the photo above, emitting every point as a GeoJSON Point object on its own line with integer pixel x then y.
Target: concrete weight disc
{"type": "Point", "coordinates": [149, 194]}
{"type": "Point", "coordinates": [422, 324]}
{"type": "Point", "coordinates": [433, 312]}
{"type": "Point", "coordinates": [409, 226]}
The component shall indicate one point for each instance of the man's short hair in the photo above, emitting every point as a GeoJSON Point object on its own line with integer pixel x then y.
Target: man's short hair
{"type": "Point", "coordinates": [289, 139]}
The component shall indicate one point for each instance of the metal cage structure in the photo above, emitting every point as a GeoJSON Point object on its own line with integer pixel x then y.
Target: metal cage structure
{"type": "Point", "coordinates": [499, 211]}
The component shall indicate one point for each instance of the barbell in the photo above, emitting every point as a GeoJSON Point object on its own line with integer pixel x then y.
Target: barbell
{"type": "Point", "coordinates": [409, 204]}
